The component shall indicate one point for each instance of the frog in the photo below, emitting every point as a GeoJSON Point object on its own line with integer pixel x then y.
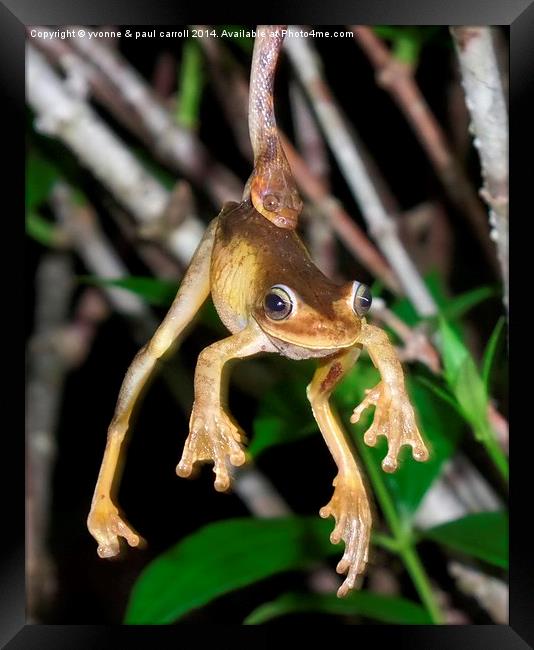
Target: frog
{"type": "Point", "coordinates": [272, 299]}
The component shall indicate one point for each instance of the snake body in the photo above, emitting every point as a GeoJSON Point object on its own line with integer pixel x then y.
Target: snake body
{"type": "Point", "coordinates": [271, 186]}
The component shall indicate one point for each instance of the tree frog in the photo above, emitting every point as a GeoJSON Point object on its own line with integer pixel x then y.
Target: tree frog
{"type": "Point", "coordinates": [272, 299]}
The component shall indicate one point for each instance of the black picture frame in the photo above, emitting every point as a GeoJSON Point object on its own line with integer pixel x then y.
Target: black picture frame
{"type": "Point", "coordinates": [14, 16]}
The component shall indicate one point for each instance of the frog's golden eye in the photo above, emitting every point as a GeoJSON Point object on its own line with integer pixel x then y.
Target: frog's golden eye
{"type": "Point", "coordinates": [278, 303]}
{"type": "Point", "coordinates": [362, 298]}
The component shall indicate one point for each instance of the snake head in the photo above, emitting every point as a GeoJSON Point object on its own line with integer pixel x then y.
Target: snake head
{"type": "Point", "coordinates": [275, 196]}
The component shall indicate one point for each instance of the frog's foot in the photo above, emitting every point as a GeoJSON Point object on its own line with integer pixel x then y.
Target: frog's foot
{"type": "Point", "coordinates": [350, 508]}
{"type": "Point", "coordinates": [213, 437]}
{"type": "Point", "coordinates": [394, 418]}
{"type": "Point", "coordinates": [107, 526]}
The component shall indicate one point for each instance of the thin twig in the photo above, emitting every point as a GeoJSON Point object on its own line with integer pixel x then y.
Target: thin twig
{"type": "Point", "coordinates": [67, 117]}
{"type": "Point", "coordinates": [313, 150]}
{"type": "Point", "coordinates": [178, 146]}
{"type": "Point", "coordinates": [417, 346]}
{"type": "Point", "coordinates": [47, 367]}
{"type": "Point", "coordinates": [397, 78]}
{"type": "Point", "coordinates": [381, 225]}
{"type": "Point", "coordinates": [491, 593]}
{"type": "Point", "coordinates": [484, 98]}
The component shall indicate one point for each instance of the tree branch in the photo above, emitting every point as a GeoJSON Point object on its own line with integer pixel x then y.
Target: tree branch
{"type": "Point", "coordinates": [67, 117]}
{"type": "Point", "coordinates": [484, 98]}
{"type": "Point", "coordinates": [397, 78]}
{"type": "Point", "coordinates": [47, 366]}
{"type": "Point", "coordinates": [176, 145]}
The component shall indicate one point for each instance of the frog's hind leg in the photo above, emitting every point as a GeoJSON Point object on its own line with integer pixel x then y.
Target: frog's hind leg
{"type": "Point", "coordinates": [104, 521]}
{"type": "Point", "coordinates": [349, 504]}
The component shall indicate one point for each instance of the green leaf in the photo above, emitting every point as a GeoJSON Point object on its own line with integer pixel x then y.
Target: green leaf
{"type": "Point", "coordinates": [483, 535]}
{"type": "Point", "coordinates": [388, 609]}
{"type": "Point", "coordinates": [452, 309]}
{"type": "Point", "coordinates": [406, 311]}
{"type": "Point", "coordinates": [468, 387]}
{"type": "Point", "coordinates": [472, 397]}
{"type": "Point", "coordinates": [453, 351]}
{"type": "Point", "coordinates": [154, 291]}
{"type": "Point", "coordinates": [284, 416]}
{"type": "Point", "coordinates": [464, 380]}
{"type": "Point", "coordinates": [272, 431]}
{"type": "Point", "coordinates": [190, 85]}
{"type": "Point", "coordinates": [40, 229]}
{"type": "Point", "coordinates": [459, 305]}
{"type": "Point", "coordinates": [41, 175]}
{"type": "Point", "coordinates": [438, 390]}
{"type": "Point", "coordinates": [221, 557]}
{"type": "Point", "coordinates": [406, 48]}
{"type": "Point", "coordinates": [490, 352]}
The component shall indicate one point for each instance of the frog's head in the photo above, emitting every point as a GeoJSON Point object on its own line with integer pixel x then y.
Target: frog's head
{"type": "Point", "coordinates": [316, 318]}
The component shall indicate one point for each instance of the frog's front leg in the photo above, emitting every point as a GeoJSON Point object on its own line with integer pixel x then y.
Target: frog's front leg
{"type": "Point", "coordinates": [349, 504]}
{"type": "Point", "coordinates": [394, 415]}
{"type": "Point", "coordinates": [213, 435]}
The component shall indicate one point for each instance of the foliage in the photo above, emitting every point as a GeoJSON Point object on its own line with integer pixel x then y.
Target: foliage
{"type": "Point", "coordinates": [220, 557]}
{"type": "Point", "coordinates": [388, 609]}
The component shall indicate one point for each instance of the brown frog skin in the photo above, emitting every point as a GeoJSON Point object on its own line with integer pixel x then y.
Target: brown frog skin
{"type": "Point", "coordinates": [272, 299]}
{"type": "Point", "coordinates": [240, 259]}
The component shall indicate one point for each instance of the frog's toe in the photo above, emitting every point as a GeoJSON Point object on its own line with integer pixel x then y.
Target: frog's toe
{"type": "Point", "coordinates": [222, 477]}
{"type": "Point", "coordinates": [107, 526]}
{"type": "Point", "coordinates": [419, 451]}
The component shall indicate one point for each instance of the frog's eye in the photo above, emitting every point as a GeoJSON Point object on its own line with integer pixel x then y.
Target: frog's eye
{"type": "Point", "coordinates": [362, 298]}
{"type": "Point", "coordinates": [278, 302]}
{"type": "Point", "coordinates": [271, 202]}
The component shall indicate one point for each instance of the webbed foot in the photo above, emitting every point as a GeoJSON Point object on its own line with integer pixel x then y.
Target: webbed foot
{"type": "Point", "coordinates": [107, 527]}
{"type": "Point", "coordinates": [394, 418]}
{"type": "Point", "coordinates": [350, 508]}
{"type": "Point", "coordinates": [213, 437]}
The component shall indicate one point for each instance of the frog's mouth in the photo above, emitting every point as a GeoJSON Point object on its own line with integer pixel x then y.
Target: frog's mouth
{"type": "Point", "coordinates": [298, 350]}
{"type": "Point", "coordinates": [284, 338]}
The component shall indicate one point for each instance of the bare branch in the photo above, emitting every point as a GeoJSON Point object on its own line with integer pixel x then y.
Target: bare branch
{"type": "Point", "coordinates": [484, 98]}
{"type": "Point", "coordinates": [397, 77]}
{"type": "Point", "coordinates": [67, 117]}
{"type": "Point", "coordinates": [47, 366]}
{"type": "Point", "coordinates": [491, 593]}
{"type": "Point", "coordinates": [178, 146]}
